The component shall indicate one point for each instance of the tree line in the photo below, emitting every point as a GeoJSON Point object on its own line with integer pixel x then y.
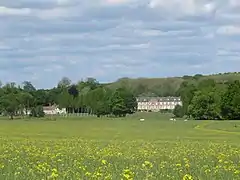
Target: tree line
{"type": "Point", "coordinates": [87, 96]}
{"type": "Point", "coordinates": [209, 100]}
{"type": "Point", "coordinates": [202, 99]}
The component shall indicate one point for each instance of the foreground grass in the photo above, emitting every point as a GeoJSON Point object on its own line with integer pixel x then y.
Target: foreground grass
{"type": "Point", "coordinates": [90, 148]}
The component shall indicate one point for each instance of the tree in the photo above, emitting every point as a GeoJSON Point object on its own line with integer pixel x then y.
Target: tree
{"type": "Point", "coordinates": [37, 112]}
{"type": "Point", "coordinates": [27, 86]}
{"type": "Point", "coordinates": [72, 90]}
{"type": "Point", "coordinates": [202, 98]}
{"type": "Point", "coordinates": [118, 107]}
{"type": "Point", "coordinates": [41, 97]}
{"type": "Point", "coordinates": [100, 101]}
{"type": "Point", "coordinates": [92, 83]}
{"type": "Point", "coordinates": [178, 111]}
{"type": "Point", "coordinates": [130, 101]}
{"type": "Point", "coordinates": [64, 82]}
{"type": "Point", "coordinates": [53, 95]}
{"type": "Point", "coordinates": [208, 99]}
{"type": "Point", "coordinates": [206, 85]}
{"type": "Point", "coordinates": [186, 91]}
{"type": "Point", "coordinates": [65, 100]}
{"type": "Point", "coordinates": [197, 76]}
{"type": "Point", "coordinates": [10, 88]}
{"type": "Point", "coordinates": [204, 106]}
{"type": "Point", "coordinates": [122, 102]}
{"type": "Point", "coordinates": [230, 102]}
{"type": "Point", "coordinates": [10, 104]}
{"type": "Point", "coordinates": [26, 100]}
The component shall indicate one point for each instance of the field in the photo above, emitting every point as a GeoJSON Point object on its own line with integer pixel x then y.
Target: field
{"type": "Point", "coordinates": [105, 148]}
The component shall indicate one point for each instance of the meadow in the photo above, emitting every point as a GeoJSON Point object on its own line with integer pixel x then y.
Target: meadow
{"type": "Point", "coordinates": [122, 148]}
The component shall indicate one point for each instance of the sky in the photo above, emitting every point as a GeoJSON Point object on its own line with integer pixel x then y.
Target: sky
{"type": "Point", "coordinates": [44, 40]}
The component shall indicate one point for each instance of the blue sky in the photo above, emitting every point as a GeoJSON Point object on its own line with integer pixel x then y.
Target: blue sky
{"type": "Point", "coordinates": [44, 40]}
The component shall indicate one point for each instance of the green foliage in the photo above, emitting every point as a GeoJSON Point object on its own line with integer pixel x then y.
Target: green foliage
{"type": "Point", "coordinates": [167, 86]}
{"type": "Point", "coordinates": [100, 101]}
{"type": "Point", "coordinates": [178, 111]}
{"type": "Point", "coordinates": [37, 112]}
{"type": "Point", "coordinates": [230, 102]}
{"type": "Point", "coordinates": [64, 82]}
{"type": "Point", "coordinates": [186, 91]}
{"type": "Point", "coordinates": [85, 97]}
{"type": "Point", "coordinates": [9, 104]}
{"type": "Point", "coordinates": [209, 99]}
{"type": "Point", "coordinates": [40, 112]}
{"type": "Point", "coordinates": [204, 106]}
{"type": "Point", "coordinates": [64, 99]}
{"type": "Point", "coordinates": [203, 97]}
{"type": "Point", "coordinates": [123, 102]}
{"type": "Point", "coordinates": [28, 87]}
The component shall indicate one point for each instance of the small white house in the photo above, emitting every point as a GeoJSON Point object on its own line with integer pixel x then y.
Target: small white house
{"type": "Point", "coordinates": [54, 110]}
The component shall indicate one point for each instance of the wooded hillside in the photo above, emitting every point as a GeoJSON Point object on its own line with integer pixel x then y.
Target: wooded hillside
{"type": "Point", "coordinates": [167, 86]}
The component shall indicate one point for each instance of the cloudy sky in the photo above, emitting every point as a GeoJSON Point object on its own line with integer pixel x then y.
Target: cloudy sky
{"type": "Point", "coordinates": [44, 40]}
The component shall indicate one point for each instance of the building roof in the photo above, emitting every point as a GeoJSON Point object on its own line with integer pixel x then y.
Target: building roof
{"type": "Point", "coordinates": [159, 99]}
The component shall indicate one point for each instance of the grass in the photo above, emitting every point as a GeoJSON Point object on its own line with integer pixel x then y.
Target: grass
{"type": "Point", "coordinates": [105, 148]}
{"type": "Point", "coordinates": [228, 126]}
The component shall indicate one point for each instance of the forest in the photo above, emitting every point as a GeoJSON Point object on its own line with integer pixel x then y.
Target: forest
{"type": "Point", "coordinates": [85, 97]}
{"type": "Point", "coordinates": [168, 86]}
{"type": "Point", "coordinates": [209, 100]}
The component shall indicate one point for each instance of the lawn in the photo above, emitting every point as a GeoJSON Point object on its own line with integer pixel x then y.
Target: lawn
{"type": "Point", "coordinates": [106, 148]}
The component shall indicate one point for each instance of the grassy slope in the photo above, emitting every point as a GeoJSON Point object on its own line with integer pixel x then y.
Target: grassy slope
{"type": "Point", "coordinates": [172, 81]}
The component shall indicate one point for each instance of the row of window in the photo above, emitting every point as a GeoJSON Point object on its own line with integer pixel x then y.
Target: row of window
{"type": "Point", "coordinates": [158, 103]}
{"type": "Point", "coordinates": [155, 107]}
{"type": "Point", "coordinates": [178, 99]}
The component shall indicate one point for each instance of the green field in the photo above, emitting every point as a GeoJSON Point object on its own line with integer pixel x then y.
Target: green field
{"type": "Point", "coordinates": [108, 148]}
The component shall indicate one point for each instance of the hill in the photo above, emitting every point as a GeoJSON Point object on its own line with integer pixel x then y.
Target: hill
{"type": "Point", "coordinates": [167, 86]}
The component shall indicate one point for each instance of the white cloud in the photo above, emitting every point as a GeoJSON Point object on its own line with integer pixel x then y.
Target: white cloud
{"type": "Point", "coordinates": [63, 2]}
{"type": "Point", "coordinates": [14, 11]}
{"type": "Point", "coordinates": [45, 40]}
{"type": "Point", "coordinates": [229, 30]}
{"type": "Point", "coordinates": [234, 3]}
{"type": "Point", "coordinates": [184, 7]}
{"type": "Point", "coordinates": [116, 1]}
{"type": "Point", "coordinates": [54, 13]}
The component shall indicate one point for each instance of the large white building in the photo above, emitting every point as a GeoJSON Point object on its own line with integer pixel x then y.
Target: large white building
{"type": "Point", "coordinates": [157, 103]}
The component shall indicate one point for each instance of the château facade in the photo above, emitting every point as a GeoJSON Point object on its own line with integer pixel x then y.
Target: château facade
{"type": "Point", "coordinates": [157, 103]}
